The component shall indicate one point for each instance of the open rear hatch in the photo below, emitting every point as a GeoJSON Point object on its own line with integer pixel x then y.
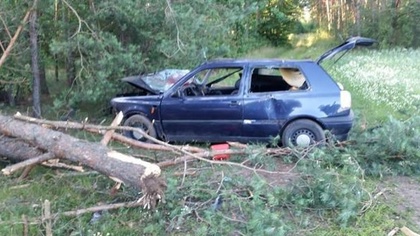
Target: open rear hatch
{"type": "Point", "coordinates": [346, 46]}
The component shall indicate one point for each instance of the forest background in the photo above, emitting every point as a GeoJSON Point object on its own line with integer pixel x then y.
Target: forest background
{"type": "Point", "coordinates": [85, 47]}
{"type": "Point", "coordinates": [60, 57]}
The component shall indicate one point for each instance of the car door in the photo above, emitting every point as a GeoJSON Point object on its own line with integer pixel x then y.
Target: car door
{"type": "Point", "coordinates": [211, 117]}
{"type": "Point", "coordinates": [268, 103]}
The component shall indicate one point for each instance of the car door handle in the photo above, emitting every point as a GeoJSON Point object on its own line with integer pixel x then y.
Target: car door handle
{"type": "Point", "coordinates": [234, 103]}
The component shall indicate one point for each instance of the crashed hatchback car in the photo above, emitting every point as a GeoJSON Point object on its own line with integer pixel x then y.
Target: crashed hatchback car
{"type": "Point", "coordinates": [245, 100]}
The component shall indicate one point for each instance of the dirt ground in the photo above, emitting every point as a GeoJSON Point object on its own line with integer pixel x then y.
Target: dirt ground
{"type": "Point", "coordinates": [405, 192]}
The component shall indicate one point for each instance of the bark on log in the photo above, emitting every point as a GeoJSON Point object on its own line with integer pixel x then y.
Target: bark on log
{"type": "Point", "coordinates": [17, 150]}
{"type": "Point", "coordinates": [132, 171]}
{"type": "Point", "coordinates": [99, 129]}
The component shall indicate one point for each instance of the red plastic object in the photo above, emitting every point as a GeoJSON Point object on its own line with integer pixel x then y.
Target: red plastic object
{"type": "Point", "coordinates": [218, 147]}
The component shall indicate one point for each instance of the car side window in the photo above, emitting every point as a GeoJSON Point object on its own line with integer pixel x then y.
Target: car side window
{"type": "Point", "coordinates": [213, 82]}
{"type": "Point", "coordinates": [275, 79]}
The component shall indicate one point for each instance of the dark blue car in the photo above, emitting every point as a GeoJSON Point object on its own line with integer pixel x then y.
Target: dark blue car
{"type": "Point", "coordinates": [245, 100]}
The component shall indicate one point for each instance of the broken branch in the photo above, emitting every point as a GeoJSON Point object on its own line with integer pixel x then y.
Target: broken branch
{"type": "Point", "coordinates": [15, 37]}
{"type": "Point", "coordinates": [108, 134]}
{"type": "Point", "coordinates": [36, 160]}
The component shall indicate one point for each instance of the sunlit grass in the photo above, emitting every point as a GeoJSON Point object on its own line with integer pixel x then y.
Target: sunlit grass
{"type": "Point", "coordinates": [318, 39]}
{"type": "Point", "coordinates": [384, 81]}
{"type": "Point", "coordinates": [303, 46]}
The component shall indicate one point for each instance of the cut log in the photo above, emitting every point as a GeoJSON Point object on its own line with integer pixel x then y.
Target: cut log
{"type": "Point", "coordinates": [139, 174]}
{"type": "Point", "coordinates": [103, 129]}
{"type": "Point", "coordinates": [17, 150]}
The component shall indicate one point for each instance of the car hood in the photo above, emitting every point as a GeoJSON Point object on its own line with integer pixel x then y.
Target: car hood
{"type": "Point", "coordinates": [158, 82]}
{"type": "Point", "coordinates": [347, 45]}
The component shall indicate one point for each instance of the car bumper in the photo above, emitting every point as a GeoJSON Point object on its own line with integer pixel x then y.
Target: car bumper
{"type": "Point", "coordinates": [339, 126]}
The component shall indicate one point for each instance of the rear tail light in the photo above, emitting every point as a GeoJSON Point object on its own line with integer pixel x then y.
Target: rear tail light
{"type": "Point", "coordinates": [345, 100]}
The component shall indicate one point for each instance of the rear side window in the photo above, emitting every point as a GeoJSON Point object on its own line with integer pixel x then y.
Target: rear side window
{"type": "Point", "coordinates": [276, 79]}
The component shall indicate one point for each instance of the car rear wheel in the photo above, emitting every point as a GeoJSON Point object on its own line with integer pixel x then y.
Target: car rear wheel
{"type": "Point", "coordinates": [302, 133]}
{"type": "Point", "coordinates": [141, 122]}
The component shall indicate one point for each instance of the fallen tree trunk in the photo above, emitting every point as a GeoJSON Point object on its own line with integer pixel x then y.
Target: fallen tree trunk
{"type": "Point", "coordinates": [17, 150]}
{"type": "Point", "coordinates": [100, 130]}
{"type": "Point", "coordinates": [127, 169]}
{"type": "Point", "coordinates": [191, 152]}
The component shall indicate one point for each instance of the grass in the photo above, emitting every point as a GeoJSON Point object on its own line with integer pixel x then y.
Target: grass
{"type": "Point", "coordinates": [377, 221]}
{"type": "Point", "coordinates": [26, 198]}
{"type": "Point", "coordinates": [305, 46]}
{"type": "Point", "coordinates": [252, 204]}
{"type": "Point", "coordinates": [380, 84]}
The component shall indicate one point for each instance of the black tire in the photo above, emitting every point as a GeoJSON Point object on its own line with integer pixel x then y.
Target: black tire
{"type": "Point", "coordinates": [302, 133]}
{"type": "Point", "coordinates": [141, 122]}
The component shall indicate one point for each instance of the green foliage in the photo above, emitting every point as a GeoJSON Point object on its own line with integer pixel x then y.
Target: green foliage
{"type": "Point", "coordinates": [390, 149]}
{"type": "Point", "coordinates": [304, 27]}
{"type": "Point", "coordinates": [15, 73]}
{"type": "Point", "coordinates": [91, 45]}
{"type": "Point", "coordinates": [276, 20]}
{"type": "Point", "coordinates": [248, 207]}
{"type": "Point", "coordinates": [394, 26]}
{"type": "Point", "coordinates": [134, 37]}
{"type": "Point", "coordinates": [330, 191]}
{"type": "Point", "coordinates": [331, 183]}
{"type": "Point", "coordinates": [377, 221]}
{"type": "Point", "coordinates": [333, 179]}
{"type": "Point", "coordinates": [100, 66]}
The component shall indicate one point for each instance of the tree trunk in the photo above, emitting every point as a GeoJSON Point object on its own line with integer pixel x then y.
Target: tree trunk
{"type": "Point", "coordinates": [357, 17]}
{"type": "Point", "coordinates": [70, 68]}
{"type": "Point", "coordinates": [327, 7]}
{"type": "Point", "coordinates": [17, 150]}
{"type": "Point", "coordinates": [394, 24]}
{"type": "Point", "coordinates": [43, 79]}
{"type": "Point", "coordinates": [69, 58]}
{"type": "Point", "coordinates": [127, 169]}
{"type": "Point", "coordinates": [36, 88]}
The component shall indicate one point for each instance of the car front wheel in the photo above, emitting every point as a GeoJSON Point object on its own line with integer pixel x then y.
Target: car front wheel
{"type": "Point", "coordinates": [302, 133]}
{"type": "Point", "coordinates": [141, 122]}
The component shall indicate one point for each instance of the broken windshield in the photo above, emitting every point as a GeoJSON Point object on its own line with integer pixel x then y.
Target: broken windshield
{"type": "Point", "coordinates": [157, 82]}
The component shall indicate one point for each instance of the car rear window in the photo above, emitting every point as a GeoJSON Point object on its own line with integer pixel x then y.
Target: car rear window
{"type": "Point", "coordinates": [277, 79]}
